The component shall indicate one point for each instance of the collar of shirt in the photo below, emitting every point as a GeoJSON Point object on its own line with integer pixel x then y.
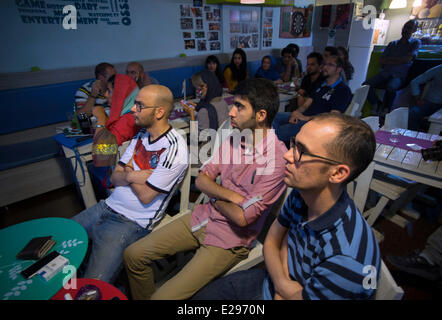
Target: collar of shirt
{"type": "Point", "coordinates": [333, 85]}
{"type": "Point", "coordinates": [328, 219]}
{"type": "Point", "coordinates": [261, 147]}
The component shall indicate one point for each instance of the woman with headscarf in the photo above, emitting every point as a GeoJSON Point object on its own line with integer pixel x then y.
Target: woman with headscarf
{"type": "Point", "coordinates": [236, 71]}
{"type": "Point", "coordinates": [212, 109]}
{"type": "Point", "coordinates": [120, 93]}
{"type": "Point", "coordinates": [267, 70]}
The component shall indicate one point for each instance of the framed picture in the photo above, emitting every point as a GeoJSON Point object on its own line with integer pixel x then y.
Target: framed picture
{"type": "Point", "coordinates": [189, 44]}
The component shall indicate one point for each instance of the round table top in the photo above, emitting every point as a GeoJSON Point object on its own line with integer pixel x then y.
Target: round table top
{"type": "Point", "coordinates": [108, 291]}
{"type": "Point", "coordinates": [71, 242]}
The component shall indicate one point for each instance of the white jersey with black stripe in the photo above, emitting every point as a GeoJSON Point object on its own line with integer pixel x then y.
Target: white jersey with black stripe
{"type": "Point", "coordinates": [168, 157]}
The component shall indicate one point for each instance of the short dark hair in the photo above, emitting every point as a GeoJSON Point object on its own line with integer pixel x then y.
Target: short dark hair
{"type": "Point", "coordinates": [100, 69]}
{"type": "Point", "coordinates": [262, 94]}
{"type": "Point", "coordinates": [287, 50]}
{"type": "Point", "coordinates": [333, 50]}
{"type": "Point", "coordinates": [355, 144]}
{"type": "Point", "coordinates": [294, 47]}
{"type": "Point", "coordinates": [317, 56]}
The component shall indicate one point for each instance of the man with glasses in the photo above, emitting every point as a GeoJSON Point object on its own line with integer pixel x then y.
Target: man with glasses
{"type": "Point", "coordinates": [145, 179]}
{"type": "Point", "coordinates": [319, 246]}
{"type": "Point", "coordinates": [135, 70]}
{"type": "Point", "coordinates": [223, 230]}
{"type": "Point", "coordinates": [332, 96]}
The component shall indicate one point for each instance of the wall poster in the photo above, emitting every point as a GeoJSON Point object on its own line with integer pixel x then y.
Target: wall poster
{"type": "Point", "coordinates": [244, 27]}
{"type": "Point", "coordinates": [295, 22]}
{"type": "Point", "coordinates": [203, 23]}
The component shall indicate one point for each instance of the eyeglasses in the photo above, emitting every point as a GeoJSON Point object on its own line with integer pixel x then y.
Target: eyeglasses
{"type": "Point", "coordinates": [140, 106]}
{"type": "Point", "coordinates": [298, 148]}
{"type": "Point", "coordinates": [330, 65]}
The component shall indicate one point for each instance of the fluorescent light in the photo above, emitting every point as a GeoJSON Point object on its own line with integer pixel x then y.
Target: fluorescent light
{"type": "Point", "coordinates": [397, 4]}
{"type": "Point", "coordinates": [252, 1]}
{"type": "Point", "coordinates": [417, 3]}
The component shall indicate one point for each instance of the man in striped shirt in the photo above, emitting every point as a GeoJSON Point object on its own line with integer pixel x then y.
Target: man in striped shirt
{"type": "Point", "coordinates": [145, 180]}
{"type": "Point", "coordinates": [319, 247]}
{"type": "Point", "coordinates": [91, 93]}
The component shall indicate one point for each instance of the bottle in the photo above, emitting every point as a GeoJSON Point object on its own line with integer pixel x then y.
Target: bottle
{"type": "Point", "coordinates": [74, 122]}
{"type": "Point", "coordinates": [85, 123]}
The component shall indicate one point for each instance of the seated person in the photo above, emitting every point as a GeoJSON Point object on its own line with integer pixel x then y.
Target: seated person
{"type": "Point", "coordinates": [313, 78]}
{"type": "Point", "coordinates": [430, 102]}
{"type": "Point", "coordinates": [332, 96]}
{"type": "Point", "coordinates": [91, 93]}
{"type": "Point", "coordinates": [295, 54]}
{"type": "Point", "coordinates": [330, 51]}
{"type": "Point", "coordinates": [145, 178]}
{"type": "Point", "coordinates": [348, 71]}
{"type": "Point", "coordinates": [212, 64]}
{"type": "Point", "coordinates": [135, 70]}
{"type": "Point", "coordinates": [236, 71]}
{"type": "Point", "coordinates": [212, 109]}
{"type": "Point", "coordinates": [223, 230]}
{"type": "Point", "coordinates": [267, 70]}
{"type": "Point", "coordinates": [120, 94]}
{"type": "Point", "coordinates": [288, 66]}
{"type": "Point", "coordinates": [319, 245]}
{"type": "Point", "coordinates": [396, 60]}
{"type": "Point", "coordinates": [426, 263]}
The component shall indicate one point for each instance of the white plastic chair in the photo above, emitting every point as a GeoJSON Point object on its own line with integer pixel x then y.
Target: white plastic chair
{"type": "Point", "coordinates": [398, 118]}
{"type": "Point", "coordinates": [387, 288]}
{"type": "Point", "coordinates": [357, 102]}
{"type": "Point", "coordinates": [373, 122]}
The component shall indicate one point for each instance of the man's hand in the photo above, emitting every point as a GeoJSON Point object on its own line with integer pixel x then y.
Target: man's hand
{"type": "Point", "coordinates": [296, 116]}
{"type": "Point", "coordinates": [139, 176]}
{"type": "Point", "coordinates": [97, 88]}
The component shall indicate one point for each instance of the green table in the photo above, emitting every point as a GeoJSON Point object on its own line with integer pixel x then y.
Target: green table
{"type": "Point", "coordinates": [71, 242]}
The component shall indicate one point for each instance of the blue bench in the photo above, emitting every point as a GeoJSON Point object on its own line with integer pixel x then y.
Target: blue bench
{"type": "Point", "coordinates": [41, 106]}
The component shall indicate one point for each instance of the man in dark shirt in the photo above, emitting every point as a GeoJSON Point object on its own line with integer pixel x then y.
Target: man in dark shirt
{"type": "Point", "coordinates": [313, 79]}
{"type": "Point", "coordinates": [396, 59]}
{"type": "Point", "coordinates": [332, 96]}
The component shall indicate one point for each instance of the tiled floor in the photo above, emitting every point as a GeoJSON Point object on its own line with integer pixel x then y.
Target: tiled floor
{"type": "Point", "coordinates": [65, 202]}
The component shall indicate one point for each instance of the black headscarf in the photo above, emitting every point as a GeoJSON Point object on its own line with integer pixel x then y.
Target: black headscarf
{"type": "Point", "coordinates": [214, 90]}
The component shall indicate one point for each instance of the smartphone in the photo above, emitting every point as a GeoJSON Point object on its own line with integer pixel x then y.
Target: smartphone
{"type": "Point", "coordinates": [187, 104]}
{"type": "Point", "coordinates": [30, 271]}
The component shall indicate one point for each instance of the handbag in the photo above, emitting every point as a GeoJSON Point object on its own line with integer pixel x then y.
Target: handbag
{"type": "Point", "coordinates": [104, 149]}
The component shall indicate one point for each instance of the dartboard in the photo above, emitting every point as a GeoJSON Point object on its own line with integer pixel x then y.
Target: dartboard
{"type": "Point", "coordinates": [298, 23]}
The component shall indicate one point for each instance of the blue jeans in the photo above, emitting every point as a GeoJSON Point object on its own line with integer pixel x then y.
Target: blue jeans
{"type": "Point", "coordinates": [418, 113]}
{"type": "Point", "coordinates": [110, 233]}
{"type": "Point", "coordinates": [283, 129]}
{"type": "Point", "coordinates": [383, 80]}
{"type": "Point", "coordinates": [241, 285]}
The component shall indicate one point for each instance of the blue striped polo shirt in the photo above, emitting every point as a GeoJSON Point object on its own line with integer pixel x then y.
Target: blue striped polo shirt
{"type": "Point", "coordinates": [328, 256]}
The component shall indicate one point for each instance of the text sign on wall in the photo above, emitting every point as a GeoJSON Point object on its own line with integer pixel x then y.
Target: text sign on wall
{"type": "Point", "coordinates": [110, 12]}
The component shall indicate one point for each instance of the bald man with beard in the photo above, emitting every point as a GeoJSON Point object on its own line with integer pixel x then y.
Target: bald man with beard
{"type": "Point", "coordinates": [145, 179]}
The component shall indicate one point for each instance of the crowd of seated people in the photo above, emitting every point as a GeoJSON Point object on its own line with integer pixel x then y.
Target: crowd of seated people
{"type": "Point", "coordinates": [314, 149]}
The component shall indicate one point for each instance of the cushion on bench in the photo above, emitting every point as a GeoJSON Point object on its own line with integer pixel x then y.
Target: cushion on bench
{"type": "Point", "coordinates": [19, 154]}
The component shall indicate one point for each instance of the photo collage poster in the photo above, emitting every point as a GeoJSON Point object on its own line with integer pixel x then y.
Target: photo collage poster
{"type": "Point", "coordinates": [267, 27]}
{"type": "Point", "coordinates": [244, 27]}
{"type": "Point", "coordinates": [201, 26]}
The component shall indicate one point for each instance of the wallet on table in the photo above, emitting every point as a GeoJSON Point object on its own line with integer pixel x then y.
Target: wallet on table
{"type": "Point", "coordinates": [36, 248]}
